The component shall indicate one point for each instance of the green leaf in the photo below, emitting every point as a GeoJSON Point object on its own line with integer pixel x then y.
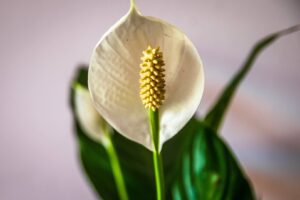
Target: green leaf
{"type": "Point", "coordinates": [208, 169]}
{"type": "Point", "coordinates": [216, 114]}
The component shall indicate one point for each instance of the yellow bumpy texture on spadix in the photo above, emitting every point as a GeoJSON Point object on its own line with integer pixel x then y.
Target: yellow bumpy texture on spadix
{"type": "Point", "coordinates": [152, 82]}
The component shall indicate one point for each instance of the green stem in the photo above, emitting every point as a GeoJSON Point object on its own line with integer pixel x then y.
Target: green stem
{"type": "Point", "coordinates": [159, 176]}
{"type": "Point", "coordinates": [157, 158]}
{"type": "Point", "coordinates": [116, 169]}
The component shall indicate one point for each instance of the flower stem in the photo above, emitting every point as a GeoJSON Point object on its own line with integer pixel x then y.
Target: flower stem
{"type": "Point", "coordinates": [116, 169]}
{"type": "Point", "coordinates": [159, 176]}
{"type": "Point", "coordinates": [157, 158]}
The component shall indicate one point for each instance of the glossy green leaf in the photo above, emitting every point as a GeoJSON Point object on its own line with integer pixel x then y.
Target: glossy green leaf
{"type": "Point", "coordinates": [216, 114]}
{"type": "Point", "coordinates": [208, 169]}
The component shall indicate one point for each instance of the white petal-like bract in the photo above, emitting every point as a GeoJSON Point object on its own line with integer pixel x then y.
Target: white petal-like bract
{"type": "Point", "coordinates": [114, 77]}
{"type": "Point", "coordinates": [89, 119]}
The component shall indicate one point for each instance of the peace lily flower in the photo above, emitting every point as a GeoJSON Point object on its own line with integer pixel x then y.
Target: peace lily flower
{"type": "Point", "coordinates": [117, 80]}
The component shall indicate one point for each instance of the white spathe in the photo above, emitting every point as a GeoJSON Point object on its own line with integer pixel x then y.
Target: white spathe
{"type": "Point", "coordinates": [89, 119]}
{"type": "Point", "coordinates": [114, 77]}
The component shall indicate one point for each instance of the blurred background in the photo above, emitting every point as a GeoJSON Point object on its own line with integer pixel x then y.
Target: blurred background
{"type": "Point", "coordinates": [43, 41]}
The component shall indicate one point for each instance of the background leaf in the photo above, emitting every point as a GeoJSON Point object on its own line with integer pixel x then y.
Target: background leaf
{"type": "Point", "coordinates": [216, 114]}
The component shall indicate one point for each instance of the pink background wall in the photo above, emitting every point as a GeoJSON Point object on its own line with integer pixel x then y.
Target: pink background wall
{"type": "Point", "coordinates": [42, 42]}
